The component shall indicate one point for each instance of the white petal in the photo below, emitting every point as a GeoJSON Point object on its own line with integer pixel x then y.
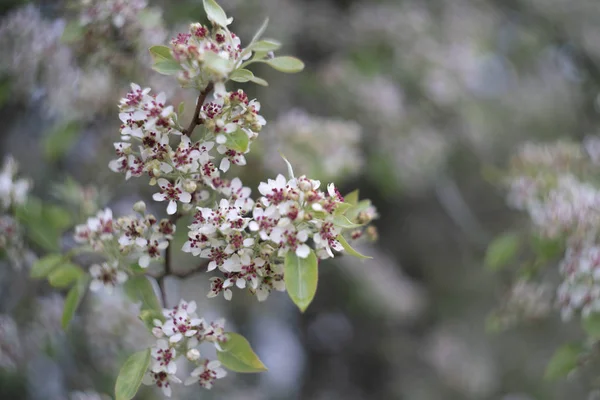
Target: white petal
{"type": "Point", "coordinates": [172, 208]}
{"type": "Point", "coordinates": [303, 251]}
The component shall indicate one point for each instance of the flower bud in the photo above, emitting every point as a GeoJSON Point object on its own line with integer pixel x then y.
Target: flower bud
{"type": "Point", "coordinates": [190, 186]}
{"type": "Point", "coordinates": [139, 207]}
{"type": "Point", "coordinates": [193, 354]}
{"type": "Point", "coordinates": [304, 185]}
{"type": "Point", "coordinates": [157, 332]}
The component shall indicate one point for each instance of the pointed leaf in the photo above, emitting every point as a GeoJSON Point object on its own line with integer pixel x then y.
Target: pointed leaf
{"type": "Point", "coordinates": [564, 360]}
{"type": "Point", "coordinates": [351, 198]}
{"type": "Point", "coordinates": [289, 166]}
{"type": "Point", "coordinates": [73, 300]}
{"type": "Point", "coordinates": [238, 356]}
{"type": "Point", "coordinates": [341, 208]}
{"type": "Point", "coordinates": [215, 13]}
{"type": "Point", "coordinates": [148, 317]}
{"type": "Point", "coordinates": [286, 64]}
{"type": "Point", "coordinates": [131, 374]}
{"type": "Point", "coordinates": [64, 275]}
{"type": "Point", "coordinates": [502, 251]}
{"type": "Point", "coordinates": [237, 141]}
{"type": "Point", "coordinates": [139, 289]}
{"type": "Point", "coordinates": [241, 75]}
{"type": "Point", "coordinates": [349, 248]}
{"type": "Point", "coordinates": [164, 63]}
{"type": "Point", "coordinates": [344, 223]}
{"type": "Point", "coordinates": [301, 277]}
{"type": "Point", "coordinates": [259, 81]}
{"type": "Point", "coordinates": [44, 266]}
{"type": "Point", "coordinates": [259, 32]}
{"type": "Point", "coordinates": [266, 45]}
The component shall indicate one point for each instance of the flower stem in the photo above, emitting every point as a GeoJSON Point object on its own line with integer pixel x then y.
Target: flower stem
{"type": "Point", "coordinates": [196, 119]}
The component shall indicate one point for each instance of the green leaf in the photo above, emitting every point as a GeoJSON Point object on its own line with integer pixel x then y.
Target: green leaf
{"type": "Point", "coordinates": [289, 166]}
{"type": "Point", "coordinates": [64, 275]}
{"type": "Point", "coordinates": [259, 32]}
{"type": "Point", "coordinates": [215, 13]}
{"type": "Point", "coordinates": [547, 249]}
{"type": "Point", "coordinates": [502, 251]}
{"type": "Point", "coordinates": [361, 206]}
{"type": "Point", "coordinates": [217, 64]}
{"type": "Point", "coordinates": [349, 248]}
{"type": "Point", "coordinates": [591, 325]}
{"type": "Point", "coordinates": [237, 141]}
{"type": "Point", "coordinates": [564, 360]}
{"type": "Point", "coordinates": [131, 375]}
{"type": "Point", "coordinates": [352, 198]}
{"type": "Point", "coordinates": [59, 218]}
{"type": "Point", "coordinates": [72, 33]}
{"type": "Point", "coordinates": [266, 45]}
{"type": "Point", "coordinates": [44, 223]}
{"type": "Point", "coordinates": [60, 140]}
{"type": "Point", "coordinates": [164, 63]}
{"type": "Point", "coordinates": [181, 109]}
{"type": "Point", "coordinates": [241, 75]}
{"type": "Point", "coordinates": [341, 208]}
{"type": "Point", "coordinates": [301, 276]}
{"type": "Point", "coordinates": [259, 81]}
{"type": "Point", "coordinates": [139, 288]}
{"type": "Point", "coordinates": [344, 223]}
{"type": "Point", "coordinates": [238, 356]}
{"type": "Point", "coordinates": [286, 64]}
{"type": "Point", "coordinates": [73, 300]}
{"type": "Point", "coordinates": [44, 266]}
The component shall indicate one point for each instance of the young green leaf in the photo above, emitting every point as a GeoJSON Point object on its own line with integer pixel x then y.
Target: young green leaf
{"type": "Point", "coordinates": [351, 198]}
{"type": "Point", "coordinates": [238, 356]}
{"type": "Point", "coordinates": [301, 277]}
{"type": "Point", "coordinates": [73, 299]}
{"type": "Point", "coordinates": [564, 360]}
{"type": "Point", "coordinates": [349, 248]}
{"type": "Point", "coordinates": [259, 81]}
{"type": "Point", "coordinates": [139, 288]}
{"type": "Point", "coordinates": [343, 222]}
{"type": "Point", "coordinates": [217, 64]}
{"type": "Point", "coordinates": [237, 140]}
{"type": "Point", "coordinates": [44, 266]}
{"type": "Point", "coordinates": [131, 375]}
{"type": "Point", "coordinates": [215, 13]}
{"type": "Point", "coordinates": [289, 166]}
{"type": "Point", "coordinates": [259, 32]}
{"type": "Point", "coordinates": [64, 275]}
{"type": "Point", "coordinates": [287, 64]}
{"type": "Point", "coordinates": [164, 63]}
{"type": "Point", "coordinates": [266, 45]}
{"type": "Point", "coordinates": [73, 32]}
{"type": "Point", "coordinates": [241, 75]}
{"type": "Point", "coordinates": [341, 208]}
{"type": "Point", "coordinates": [361, 206]}
{"type": "Point", "coordinates": [502, 251]}
{"type": "Point", "coordinates": [148, 317]}
{"type": "Point", "coordinates": [547, 249]}
{"type": "Point", "coordinates": [60, 140]}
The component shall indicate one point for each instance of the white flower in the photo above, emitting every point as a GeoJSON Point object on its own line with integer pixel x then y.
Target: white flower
{"type": "Point", "coordinates": [161, 379]}
{"type": "Point", "coordinates": [172, 193]}
{"type": "Point", "coordinates": [106, 276]}
{"type": "Point", "coordinates": [206, 374]}
{"type": "Point", "coordinates": [164, 357]}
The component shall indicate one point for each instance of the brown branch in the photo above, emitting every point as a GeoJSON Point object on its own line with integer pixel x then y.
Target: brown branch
{"type": "Point", "coordinates": [196, 120]}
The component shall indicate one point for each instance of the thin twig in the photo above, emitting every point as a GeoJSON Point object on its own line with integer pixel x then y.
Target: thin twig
{"type": "Point", "coordinates": [196, 119]}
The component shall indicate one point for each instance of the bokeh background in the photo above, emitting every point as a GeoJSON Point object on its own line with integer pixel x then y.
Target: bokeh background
{"type": "Point", "coordinates": [412, 102]}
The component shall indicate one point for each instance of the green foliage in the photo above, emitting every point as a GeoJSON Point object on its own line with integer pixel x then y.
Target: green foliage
{"type": "Point", "coordinates": [502, 251]}
{"type": "Point", "coordinates": [353, 212]}
{"type": "Point", "coordinates": [148, 317]}
{"type": "Point", "coordinates": [60, 140]}
{"type": "Point", "coordinates": [164, 63]}
{"type": "Point", "coordinates": [286, 64]}
{"type": "Point", "coordinates": [44, 223]}
{"type": "Point", "coordinates": [45, 265]}
{"type": "Point", "coordinates": [139, 289]}
{"type": "Point", "coordinates": [301, 277]}
{"type": "Point", "coordinates": [591, 326]}
{"type": "Point", "coordinates": [237, 355]}
{"type": "Point", "coordinates": [343, 222]}
{"type": "Point", "coordinates": [131, 374]}
{"type": "Point", "coordinates": [238, 141]}
{"type": "Point", "coordinates": [64, 275]}
{"type": "Point", "coordinates": [351, 198]}
{"type": "Point", "coordinates": [266, 45]}
{"type": "Point", "coordinates": [73, 300]}
{"type": "Point", "coordinates": [215, 13]}
{"type": "Point", "coordinates": [564, 360]}
{"type": "Point", "coordinates": [72, 33]}
{"type": "Point", "coordinates": [241, 75]}
{"type": "Point", "coordinates": [547, 249]}
{"type": "Point", "coordinates": [349, 249]}
{"type": "Point", "coordinates": [259, 32]}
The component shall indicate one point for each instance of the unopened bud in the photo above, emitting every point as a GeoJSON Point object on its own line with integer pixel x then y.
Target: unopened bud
{"type": "Point", "coordinates": [304, 185]}
{"type": "Point", "coordinates": [157, 332]}
{"type": "Point", "coordinates": [193, 354]}
{"type": "Point", "coordinates": [139, 207]}
{"type": "Point", "coordinates": [190, 186]}
{"type": "Point", "coordinates": [372, 233]}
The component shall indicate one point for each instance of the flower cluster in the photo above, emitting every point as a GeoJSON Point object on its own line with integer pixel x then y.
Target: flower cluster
{"type": "Point", "coordinates": [138, 237]}
{"type": "Point", "coordinates": [181, 332]}
{"type": "Point", "coordinates": [331, 147]}
{"type": "Point", "coordinates": [207, 55]}
{"type": "Point", "coordinates": [117, 13]}
{"type": "Point", "coordinates": [183, 173]}
{"type": "Point", "coordinates": [249, 250]}
{"type": "Point", "coordinates": [552, 183]}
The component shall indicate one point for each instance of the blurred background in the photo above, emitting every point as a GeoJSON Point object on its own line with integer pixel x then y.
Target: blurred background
{"type": "Point", "coordinates": [409, 101]}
